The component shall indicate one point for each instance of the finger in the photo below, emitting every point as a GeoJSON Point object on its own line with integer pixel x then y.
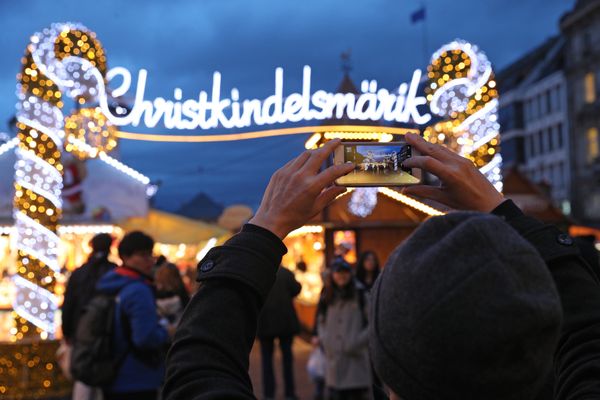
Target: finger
{"type": "Point", "coordinates": [297, 163]}
{"type": "Point", "coordinates": [318, 156]}
{"type": "Point", "coordinates": [427, 163]}
{"type": "Point", "coordinates": [327, 196]}
{"type": "Point", "coordinates": [427, 192]}
{"type": "Point", "coordinates": [330, 174]}
{"type": "Point", "coordinates": [429, 149]}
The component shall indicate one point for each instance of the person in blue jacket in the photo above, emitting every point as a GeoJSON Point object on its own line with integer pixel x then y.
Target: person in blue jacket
{"type": "Point", "coordinates": [139, 339]}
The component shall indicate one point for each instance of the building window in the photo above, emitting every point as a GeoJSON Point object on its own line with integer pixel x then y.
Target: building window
{"type": "Point", "coordinates": [592, 144]}
{"type": "Point", "coordinates": [560, 136]}
{"type": "Point", "coordinates": [561, 173]}
{"type": "Point", "coordinates": [590, 87]}
{"type": "Point", "coordinates": [530, 148]}
{"type": "Point", "coordinates": [550, 134]}
{"type": "Point", "coordinates": [548, 102]}
{"type": "Point", "coordinates": [540, 141]}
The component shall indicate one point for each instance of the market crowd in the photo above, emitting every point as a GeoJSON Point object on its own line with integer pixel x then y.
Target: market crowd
{"type": "Point", "coordinates": [481, 303]}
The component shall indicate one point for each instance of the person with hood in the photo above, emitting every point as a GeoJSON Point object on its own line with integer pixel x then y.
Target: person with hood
{"type": "Point", "coordinates": [80, 289]}
{"type": "Point", "coordinates": [278, 321]}
{"type": "Point", "coordinates": [138, 337]}
{"type": "Point", "coordinates": [482, 322]}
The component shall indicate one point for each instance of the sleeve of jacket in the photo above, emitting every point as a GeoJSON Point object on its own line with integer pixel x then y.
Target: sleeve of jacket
{"type": "Point", "coordinates": [139, 307]}
{"type": "Point", "coordinates": [577, 357]}
{"type": "Point", "coordinates": [209, 356]}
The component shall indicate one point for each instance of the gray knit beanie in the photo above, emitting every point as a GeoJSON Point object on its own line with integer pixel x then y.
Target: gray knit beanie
{"type": "Point", "coordinates": [464, 309]}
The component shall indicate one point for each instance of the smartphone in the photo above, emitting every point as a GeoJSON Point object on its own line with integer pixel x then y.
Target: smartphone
{"type": "Point", "coordinates": [377, 164]}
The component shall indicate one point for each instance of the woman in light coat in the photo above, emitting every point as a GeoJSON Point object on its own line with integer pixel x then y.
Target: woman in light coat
{"type": "Point", "coordinates": [342, 333]}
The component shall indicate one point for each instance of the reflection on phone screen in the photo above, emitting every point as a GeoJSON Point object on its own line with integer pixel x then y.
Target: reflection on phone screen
{"type": "Point", "coordinates": [378, 165]}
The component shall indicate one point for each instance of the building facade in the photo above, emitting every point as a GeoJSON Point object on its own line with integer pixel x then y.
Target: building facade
{"type": "Point", "coordinates": [581, 31]}
{"type": "Point", "coordinates": [535, 121]}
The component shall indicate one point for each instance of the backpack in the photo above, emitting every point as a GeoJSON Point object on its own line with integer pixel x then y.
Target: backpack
{"type": "Point", "coordinates": [92, 359]}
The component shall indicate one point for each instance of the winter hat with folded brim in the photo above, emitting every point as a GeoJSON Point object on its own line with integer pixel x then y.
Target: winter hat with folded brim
{"type": "Point", "coordinates": [464, 309]}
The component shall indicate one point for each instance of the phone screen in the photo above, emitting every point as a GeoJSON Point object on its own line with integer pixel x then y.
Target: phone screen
{"type": "Point", "coordinates": [378, 165]}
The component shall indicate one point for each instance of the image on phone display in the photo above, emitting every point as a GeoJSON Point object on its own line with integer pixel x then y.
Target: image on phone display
{"type": "Point", "coordinates": [378, 165]}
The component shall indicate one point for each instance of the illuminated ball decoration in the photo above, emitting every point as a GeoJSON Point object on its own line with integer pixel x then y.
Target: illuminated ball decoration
{"type": "Point", "coordinates": [462, 90]}
{"type": "Point", "coordinates": [90, 127]}
{"type": "Point", "coordinates": [363, 201]}
{"type": "Point", "coordinates": [64, 59]}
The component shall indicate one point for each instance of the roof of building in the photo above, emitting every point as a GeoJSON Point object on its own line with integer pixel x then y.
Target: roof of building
{"type": "Point", "coordinates": [582, 9]}
{"type": "Point", "coordinates": [347, 85]}
{"type": "Point", "coordinates": [531, 198]}
{"type": "Point", "coordinates": [533, 66]}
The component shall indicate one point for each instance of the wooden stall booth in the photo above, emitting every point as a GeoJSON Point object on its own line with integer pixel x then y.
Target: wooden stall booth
{"type": "Point", "coordinates": [376, 219]}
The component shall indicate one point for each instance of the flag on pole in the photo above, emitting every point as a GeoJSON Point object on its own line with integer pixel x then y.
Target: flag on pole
{"type": "Point", "coordinates": [418, 15]}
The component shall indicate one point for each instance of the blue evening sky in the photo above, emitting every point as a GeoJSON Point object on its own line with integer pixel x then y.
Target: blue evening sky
{"type": "Point", "coordinates": [181, 43]}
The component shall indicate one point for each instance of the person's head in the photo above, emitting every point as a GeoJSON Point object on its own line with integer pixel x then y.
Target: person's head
{"type": "Point", "coordinates": [101, 243]}
{"type": "Point", "coordinates": [368, 264]}
{"type": "Point", "coordinates": [464, 308]}
{"type": "Point", "coordinates": [161, 260]}
{"type": "Point", "coordinates": [341, 273]}
{"type": "Point", "coordinates": [168, 279]}
{"type": "Point", "coordinates": [135, 250]}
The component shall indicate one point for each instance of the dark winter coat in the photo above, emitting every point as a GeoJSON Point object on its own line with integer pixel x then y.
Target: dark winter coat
{"type": "Point", "coordinates": [137, 332]}
{"type": "Point", "coordinates": [209, 357]}
{"type": "Point", "coordinates": [80, 290]}
{"type": "Point", "coordinates": [278, 317]}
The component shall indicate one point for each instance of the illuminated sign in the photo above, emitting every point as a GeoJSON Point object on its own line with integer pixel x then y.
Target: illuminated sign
{"type": "Point", "coordinates": [208, 111]}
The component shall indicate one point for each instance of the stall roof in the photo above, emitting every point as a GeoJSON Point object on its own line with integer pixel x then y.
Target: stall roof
{"type": "Point", "coordinates": [531, 198]}
{"type": "Point", "coordinates": [173, 229]}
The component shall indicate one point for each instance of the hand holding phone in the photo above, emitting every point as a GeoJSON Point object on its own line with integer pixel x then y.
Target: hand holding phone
{"type": "Point", "coordinates": [376, 164]}
{"type": "Point", "coordinates": [463, 186]}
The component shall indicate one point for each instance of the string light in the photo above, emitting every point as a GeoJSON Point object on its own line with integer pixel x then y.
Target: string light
{"type": "Point", "coordinates": [93, 152]}
{"type": "Point", "coordinates": [85, 229]}
{"type": "Point", "coordinates": [409, 201]}
{"type": "Point", "coordinates": [64, 58]}
{"type": "Point", "coordinates": [305, 230]}
{"type": "Point", "coordinates": [8, 146]}
{"type": "Point", "coordinates": [90, 126]}
{"type": "Point", "coordinates": [462, 89]}
{"type": "Point", "coordinates": [124, 168]}
{"type": "Point", "coordinates": [311, 143]}
{"type": "Point", "coordinates": [209, 245]}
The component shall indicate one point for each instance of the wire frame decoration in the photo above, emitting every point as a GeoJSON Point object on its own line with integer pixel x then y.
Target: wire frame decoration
{"type": "Point", "coordinates": [63, 61]}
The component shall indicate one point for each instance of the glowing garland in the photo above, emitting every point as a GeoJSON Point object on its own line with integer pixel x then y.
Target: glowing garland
{"type": "Point", "coordinates": [462, 89]}
{"type": "Point", "coordinates": [65, 58]}
{"type": "Point", "coordinates": [118, 165]}
{"type": "Point", "coordinates": [11, 144]}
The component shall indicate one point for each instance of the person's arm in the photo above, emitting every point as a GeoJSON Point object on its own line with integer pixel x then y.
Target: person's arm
{"type": "Point", "coordinates": [209, 356]}
{"type": "Point", "coordinates": [139, 307]}
{"type": "Point", "coordinates": [577, 357]}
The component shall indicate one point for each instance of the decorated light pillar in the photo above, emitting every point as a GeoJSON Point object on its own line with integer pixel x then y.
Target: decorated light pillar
{"type": "Point", "coordinates": [462, 90]}
{"type": "Point", "coordinates": [64, 61]}
{"type": "Point", "coordinates": [62, 64]}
